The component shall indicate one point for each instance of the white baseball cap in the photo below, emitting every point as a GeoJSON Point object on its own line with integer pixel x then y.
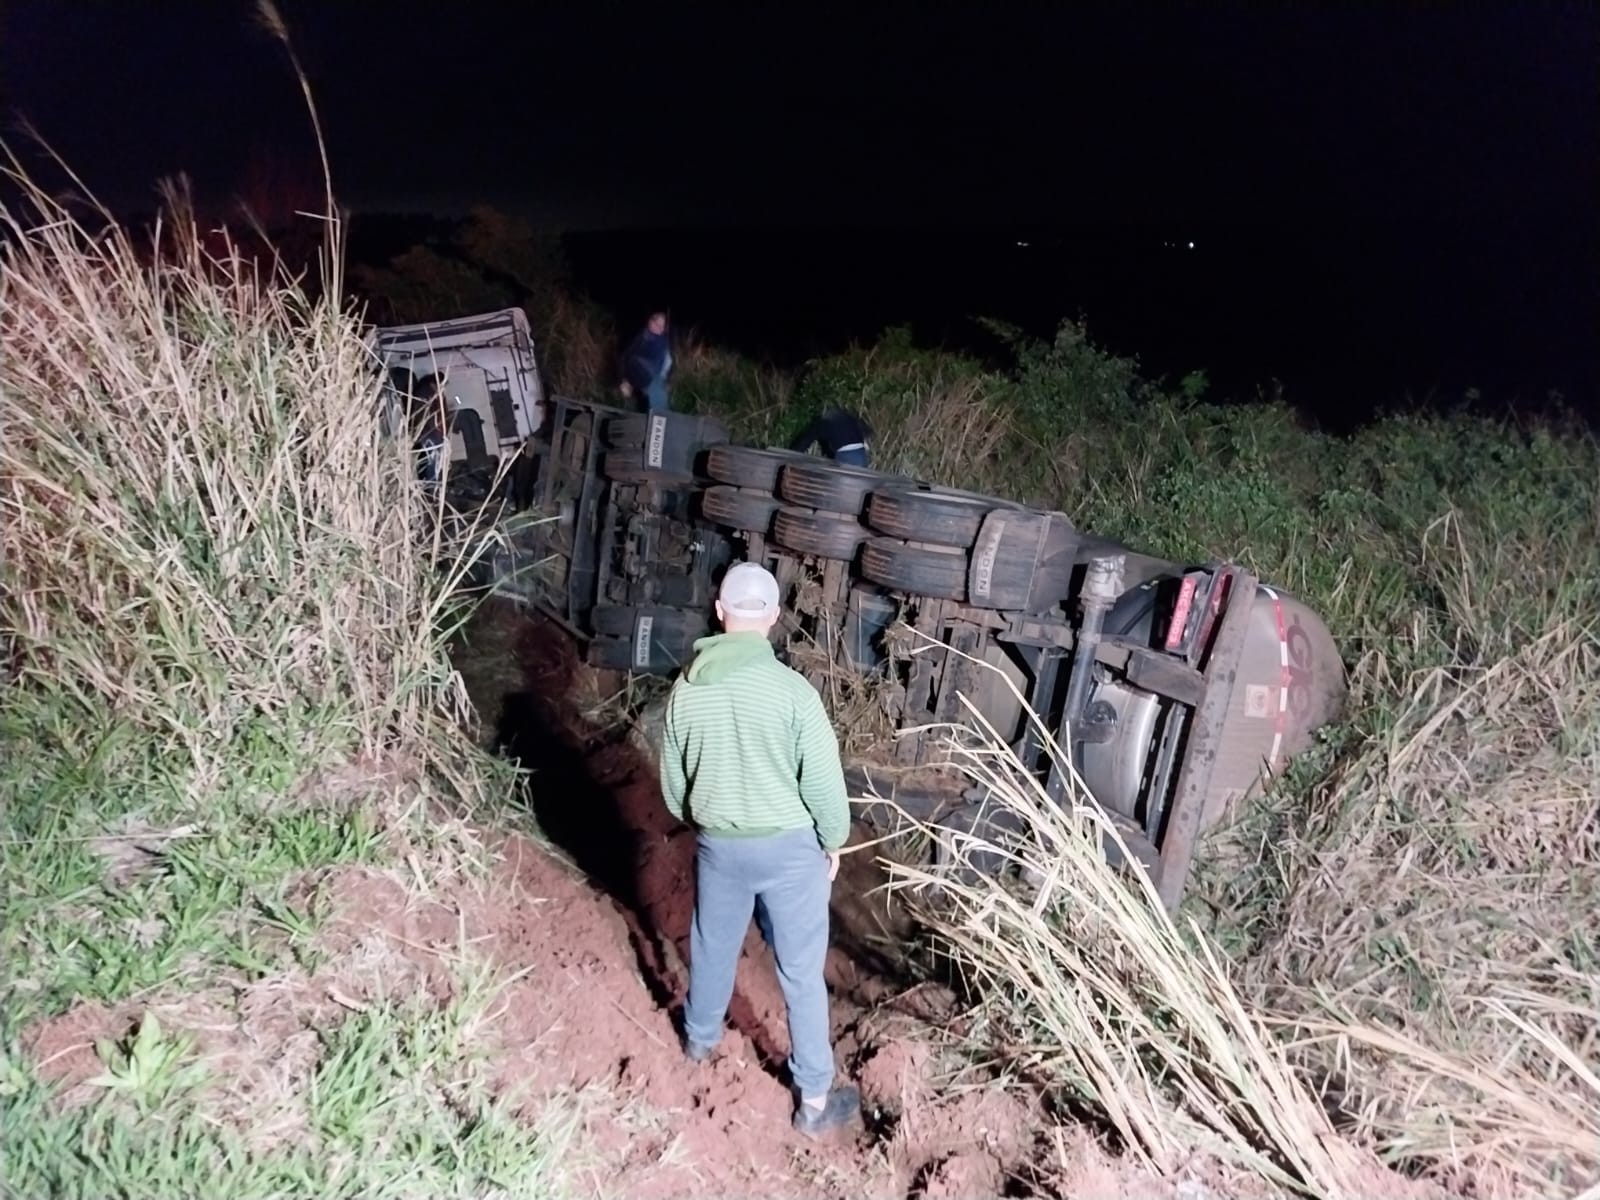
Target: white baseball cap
{"type": "Point", "coordinates": [749, 591]}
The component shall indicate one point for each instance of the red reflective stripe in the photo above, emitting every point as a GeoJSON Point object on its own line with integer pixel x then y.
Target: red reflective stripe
{"type": "Point", "coordinates": [1280, 719]}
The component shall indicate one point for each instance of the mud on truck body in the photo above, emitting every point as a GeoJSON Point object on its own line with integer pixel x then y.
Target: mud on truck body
{"type": "Point", "coordinates": [1175, 690]}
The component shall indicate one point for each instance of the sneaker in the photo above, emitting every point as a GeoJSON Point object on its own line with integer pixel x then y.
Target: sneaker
{"type": "Point", "coordinates": [842, 1106]}
{"type": "Point", "coordinates": [696, 1053]}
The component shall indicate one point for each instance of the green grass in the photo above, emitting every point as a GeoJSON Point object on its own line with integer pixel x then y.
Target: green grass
{"type": "Point", "coordinates": [115, 887]}
{"type": "Point", "coordinates": [396, 1108]}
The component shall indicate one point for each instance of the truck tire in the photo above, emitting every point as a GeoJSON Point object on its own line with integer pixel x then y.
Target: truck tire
{"type": "Point", "coordinates": [939, 571]}
{"type": "Point", "coordinates": [831, 487]}
{"type": "Point", "coordinates": [995, 833]}
{"type": "Point", "coordinates": [1022, 560]}
{"type": "Point", "coordinates": [627, 466]}
{"type": "Point", "coordinates": [609, 654]}
{"type": "Point", "coordinates": [942, 518]}
{"type": "Point", "coordinates": [734, 508]}
{"type": "Point", "coordinates": [659, 445]}
{"type": "Point", "coordinates": [683, 591]}
{"type": "Point", "coordinates": [678, 626]}
{"type": "Point", "coordinates": [632, 431]}
{"type": "Point", "coordinates": [626, 432]}
{"type": "Point", "coordinates": [620, 654]}
{"type": "Point", "coordinates": [817, 534]}
{"type": "Point", "coordinates": [749, 468]}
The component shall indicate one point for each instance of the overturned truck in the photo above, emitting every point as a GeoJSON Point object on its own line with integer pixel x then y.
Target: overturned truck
{"type": "Point", "coordinates": [1175, 690]}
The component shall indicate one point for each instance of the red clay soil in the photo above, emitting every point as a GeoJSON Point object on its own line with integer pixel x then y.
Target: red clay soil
{"type": "Point", "coordinates": [578, 1019]}
{"type": "Point", "coordinates": [606, 810]}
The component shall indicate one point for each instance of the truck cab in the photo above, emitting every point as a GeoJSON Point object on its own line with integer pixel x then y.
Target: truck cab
{"type": "Point", "coordinates": [480, 373]}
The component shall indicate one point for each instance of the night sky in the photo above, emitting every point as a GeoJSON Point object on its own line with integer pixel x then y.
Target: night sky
{"type": "Point", "coordinates": [1470, 126]}
{"type": "Point", "coordinates": [597, 114]}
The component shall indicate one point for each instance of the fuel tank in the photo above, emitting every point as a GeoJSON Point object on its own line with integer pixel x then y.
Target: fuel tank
{"type": "Point", "coordinates": [1291, 682]}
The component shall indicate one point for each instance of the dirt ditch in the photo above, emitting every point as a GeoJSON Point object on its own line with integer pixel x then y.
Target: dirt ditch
{"type": "Point", "coordinates": [595, 794]}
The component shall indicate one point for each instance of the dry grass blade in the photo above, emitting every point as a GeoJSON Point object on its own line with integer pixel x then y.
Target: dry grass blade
{"type": "Point", "coordinates": [1524, 1096]}
{"type": "Point", "coordinates": [943, 430]}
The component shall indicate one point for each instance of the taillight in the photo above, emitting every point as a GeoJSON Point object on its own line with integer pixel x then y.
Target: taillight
{"type": "Point", "coordinates": [1180, 612]}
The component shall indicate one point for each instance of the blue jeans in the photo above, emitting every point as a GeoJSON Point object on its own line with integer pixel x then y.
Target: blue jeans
{"type": "Point", "coordinates": [787, 873]}
{"type": "Point", "coordinates": [852, 458]}
{"type": "Point", "coordinates": [655, 396]}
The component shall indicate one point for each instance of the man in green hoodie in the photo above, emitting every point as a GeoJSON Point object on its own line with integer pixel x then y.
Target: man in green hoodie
{"type": "Point", "coordinates": [750, 760]}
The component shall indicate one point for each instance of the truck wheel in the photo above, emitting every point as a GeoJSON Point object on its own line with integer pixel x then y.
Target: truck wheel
{"type": "Point", "coordinates": [1022, 560]}
{"type": "Point", "coordinates": [625, 433]}
{"type": "Point", "coordinates": [682, 591]}
{"type": "Point", "coordinates": [815, 533]}
{"type": "Point", "coordinates": [632, 431]}
{"type": "Point", "coordinates": [735, 508]}
{"type": "Point", "coordinates": [677, 626]}
{"type": "Point", "coordinates": [830, 486]}
{"type": "Point", "coordinates": [627, 466]}
{"type": "Point", "coordinates": [939, 571]}
{"type": "Point", "coordinates": [747, 467]}
{"type": "Point", "coordinates": [609, 654]}
{"type": "Point", "coordinates": [620, 654]}
{"type": "Point", "coordinates": [943, 518]}
{"type": "Point", "coordinates": [996, 831]}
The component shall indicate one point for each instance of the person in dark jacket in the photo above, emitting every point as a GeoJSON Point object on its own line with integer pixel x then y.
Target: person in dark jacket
{"type": "Point", "coordinates": [842, 435]}
{"type": "Point", "coordinates": [646, 363]}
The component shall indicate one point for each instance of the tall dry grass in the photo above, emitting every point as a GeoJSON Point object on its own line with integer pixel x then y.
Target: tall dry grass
{"type": "Point", "coordinates": [1434, 939]}
{"type": "Point", "coordinates": [755, 399]}
{"type": "Point", "coordinates": [949, 430]}
{"type": "Point", "coordinates": [1089, 989]}
{"type": "Point", "coordinates": [205, 537]}
{"type": "Point", "coordinates": [576, 349]}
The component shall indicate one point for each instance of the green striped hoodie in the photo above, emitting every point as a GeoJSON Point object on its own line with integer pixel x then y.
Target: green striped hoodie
{"type": "Point", "coordinates": [747, 749]}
